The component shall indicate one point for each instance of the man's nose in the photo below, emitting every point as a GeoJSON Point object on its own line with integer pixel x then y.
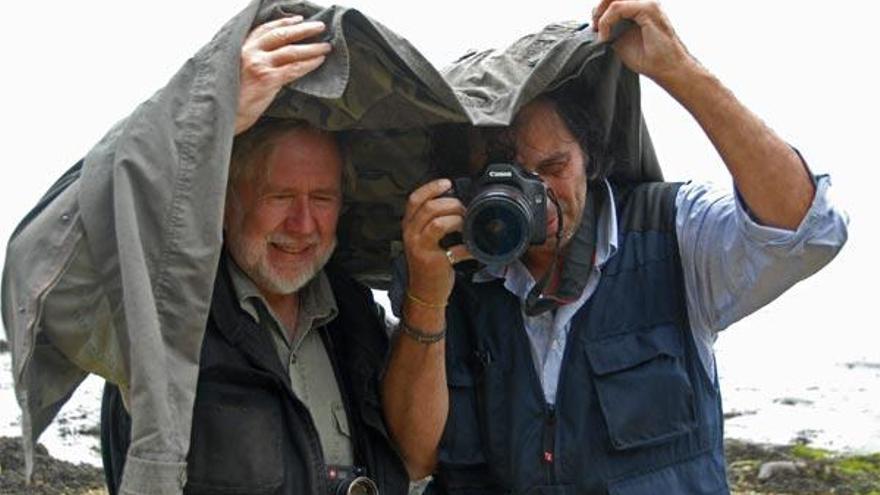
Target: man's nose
{"type": "Point", "coordinates": [299, 216]}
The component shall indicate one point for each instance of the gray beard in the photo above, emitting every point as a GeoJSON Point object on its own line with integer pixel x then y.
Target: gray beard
{"type": "Point", "coordinates": [267, 279]}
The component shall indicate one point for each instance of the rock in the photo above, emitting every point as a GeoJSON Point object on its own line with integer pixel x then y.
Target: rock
{"type": "Point", "coordinates": [736, 413]}
{"type": "Point", "coordinates": [774, 468]}
{"type": "Point", "coordinates": [805, 437]}
{"type": "Point", "coordinates": [793, 401]}
{"type": "Point", "coordinates": [4, 346]}
{"type": "Point", "coordinates": [863, 364]}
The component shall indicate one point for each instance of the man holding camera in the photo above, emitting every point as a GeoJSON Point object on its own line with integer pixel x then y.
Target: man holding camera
{"type": "Point", "coordinates": [586, 365]}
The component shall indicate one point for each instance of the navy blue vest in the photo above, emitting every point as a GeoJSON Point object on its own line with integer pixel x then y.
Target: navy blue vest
{"type": "Point", "coordinates": [635, 411]}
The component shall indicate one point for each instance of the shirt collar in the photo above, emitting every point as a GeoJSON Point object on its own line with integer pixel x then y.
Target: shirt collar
{"type": "Point", "coordinates": [317, 305]}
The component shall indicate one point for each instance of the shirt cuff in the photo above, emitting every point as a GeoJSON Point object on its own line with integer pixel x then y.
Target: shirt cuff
{"type": "Point", "coordinates": [757, 232]}
{"type": "Point", "coordinates": [147, 477]}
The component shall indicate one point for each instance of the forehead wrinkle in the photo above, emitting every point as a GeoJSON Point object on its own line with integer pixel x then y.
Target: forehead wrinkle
{"type": "Point", "coordinates": [554, 156]}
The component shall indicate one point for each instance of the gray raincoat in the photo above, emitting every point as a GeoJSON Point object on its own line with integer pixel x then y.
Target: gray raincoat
{"type": "Point", "coordinates": [135, 229]}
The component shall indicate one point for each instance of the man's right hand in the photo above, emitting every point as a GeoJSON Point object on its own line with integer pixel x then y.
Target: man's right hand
{"type": "Point", "coordinates": [429, 217]}
{"type": "Point", "coordinates": [272, 57]}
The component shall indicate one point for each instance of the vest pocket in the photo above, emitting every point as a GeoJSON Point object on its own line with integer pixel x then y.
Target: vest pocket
{"type": "Point", "coordinates": [461, 441]}
{"type": "Point", "coordinates": [462, 465]}
{"type": "Point", "coordinates": [702, 475]}
{"type": "Point", "coordinates": [236, 441]}
{"type": "Point", "coordinates": [643, 386]}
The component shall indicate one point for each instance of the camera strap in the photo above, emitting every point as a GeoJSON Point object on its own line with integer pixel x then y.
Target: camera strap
{"type": "Point", "coordinates": [576, 264]}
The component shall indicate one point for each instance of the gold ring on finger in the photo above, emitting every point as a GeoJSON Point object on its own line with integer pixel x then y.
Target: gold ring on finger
{"type": "Point", "coordinates": [451, 257]}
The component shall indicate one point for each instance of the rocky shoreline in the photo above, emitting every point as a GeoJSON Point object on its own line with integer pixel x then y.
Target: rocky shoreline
{"type": "Point", "coordinates": [51, 476]}
{"type": "Point", "coordinates": [799, 469]}
{"type": "Point", "coordinates": [752, 469]}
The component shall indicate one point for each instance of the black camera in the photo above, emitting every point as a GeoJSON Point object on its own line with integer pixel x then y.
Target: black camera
{"type": "Point", "coordinates": [350, 480]}
{"type": "Point", "coordinates": [506, 212]}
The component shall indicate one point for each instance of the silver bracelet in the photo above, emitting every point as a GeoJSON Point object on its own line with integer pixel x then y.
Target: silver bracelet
{"type": "Point", "coordinates": [421, 336]}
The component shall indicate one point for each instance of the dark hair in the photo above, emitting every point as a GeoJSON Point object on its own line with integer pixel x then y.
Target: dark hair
{"type": "Point", "coordinates": [569, 101]}
{"type": "Point", "coordinates": [452, 144]}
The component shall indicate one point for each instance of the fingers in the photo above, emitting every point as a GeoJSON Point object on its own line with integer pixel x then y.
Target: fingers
{"type": "Point", "coordinates": [295, 70]}
{"type": "Point", "coordinates": [597, 13]}
{"type": "Point", "coordinates": [610, 12]}
{"type": "Point", "coordinates": [295, 53]}
{"type": "Point", "coordinates": [425, 192]}
{"type": "Point", "coordinates": [458, 254]}
{"type": "Point", "coordinates": [274, 45]}
{"type": "Point", "coordinates": [435, 228]}
{"type": "Point", "coordinates": [268, 26]}
{"type": "Point", "coordinates": [429, 217]}
{"type": "Point", "coordinates": [286, 33]}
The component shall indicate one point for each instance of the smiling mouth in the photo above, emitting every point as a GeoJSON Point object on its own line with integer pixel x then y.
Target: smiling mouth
{"type": "Point", "coordinates": [291, 249]}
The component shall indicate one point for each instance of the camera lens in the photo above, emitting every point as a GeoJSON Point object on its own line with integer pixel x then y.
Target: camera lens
{"type": "Point", "coordinates": [497, 225]}
{"type": "Point", "coordinates": [358, 486]}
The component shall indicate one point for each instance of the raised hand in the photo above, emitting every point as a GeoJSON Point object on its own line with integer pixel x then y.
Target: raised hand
{"type": "Point", "coordinates": [273, 56]}
{"type": "Point", "coordinates": [428, 218]}
{"type": "Point", "coordinates": [651, 47]}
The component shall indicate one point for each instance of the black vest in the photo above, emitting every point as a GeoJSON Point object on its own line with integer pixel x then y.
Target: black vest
{"type": "Point", "coordinates": [250, 434]}
{"type": "Point", "coordinates": [635, 411]}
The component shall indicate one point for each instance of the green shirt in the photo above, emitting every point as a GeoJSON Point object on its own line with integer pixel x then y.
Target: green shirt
{"type": "Point", "coordinates": [306, 358]}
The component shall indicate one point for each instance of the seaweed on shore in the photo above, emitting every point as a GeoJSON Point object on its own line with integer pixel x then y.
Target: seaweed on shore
{"type": "Point", "coordinates": [799, 469]}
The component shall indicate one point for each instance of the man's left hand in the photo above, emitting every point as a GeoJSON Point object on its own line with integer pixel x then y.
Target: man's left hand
{"type": "Point", "coordinates": [651, 47]}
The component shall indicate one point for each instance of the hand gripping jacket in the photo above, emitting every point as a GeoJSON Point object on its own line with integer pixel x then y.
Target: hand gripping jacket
{"type": "Point", "coordinates": [635, 414]}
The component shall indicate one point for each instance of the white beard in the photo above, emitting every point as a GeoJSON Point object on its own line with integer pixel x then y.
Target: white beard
{"type": "Point", "coordinates": [252, 258]}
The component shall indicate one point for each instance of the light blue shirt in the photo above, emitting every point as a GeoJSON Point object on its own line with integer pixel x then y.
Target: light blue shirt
{"type": "Point", "coordinates": [732, 266]}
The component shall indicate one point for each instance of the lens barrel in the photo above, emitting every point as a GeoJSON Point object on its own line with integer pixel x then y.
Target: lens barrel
{"type": "Point", "coordinates": [349, 480]}
{"type": "Point", "coordinates": [497, 226]}
{"type": "Point", "coordinates": [360, 485]}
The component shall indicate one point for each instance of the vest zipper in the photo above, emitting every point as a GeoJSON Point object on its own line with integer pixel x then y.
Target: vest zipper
{"type": "Point", "coordinates": [548, 434]}
{"type": "Point", "coordinates": [549, 444]}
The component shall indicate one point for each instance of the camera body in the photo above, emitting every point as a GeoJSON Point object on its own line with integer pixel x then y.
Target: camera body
{"type": "Point", "coordinates": [506, 212]}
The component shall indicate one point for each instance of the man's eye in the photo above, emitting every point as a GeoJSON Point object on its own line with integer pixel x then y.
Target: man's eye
{"type": "Point", "coordinates": [276, 200]}
{"type": "Point", "coordinates": [324, 198]}
{"type": "Point", "coordinates": [551, 168]}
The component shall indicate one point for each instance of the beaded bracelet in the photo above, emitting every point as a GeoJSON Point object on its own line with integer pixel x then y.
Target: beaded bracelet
{"type": "Point", "coordinates": [421, 336]}
{"type": "Point", "coordinates": [422, 302]}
